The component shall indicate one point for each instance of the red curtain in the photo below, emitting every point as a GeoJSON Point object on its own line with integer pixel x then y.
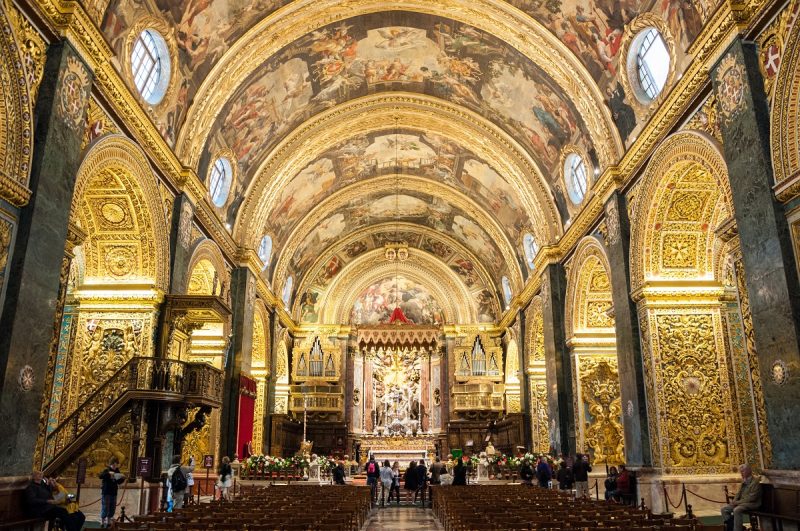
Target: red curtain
{"type": "Point", "coordinates": [247, 408]}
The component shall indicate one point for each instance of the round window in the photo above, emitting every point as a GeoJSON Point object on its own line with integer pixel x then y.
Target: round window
{"type": "Point", "coordinates": [287, 292]}
{"type": "Point", "coordinates": [265, 250]}
{"type": "Point", "coordinates": [651, 63]}
{"type": "Point", "coordinates": [219, 182]}
{"type": "Point", "coordinates": [530, 247]}
{"type": "Point", "coordinates": [150, 66]}
{"type": "Point", "coordinates": [575, 177]}
{"type": "Point", "coordinates": [507, 295]}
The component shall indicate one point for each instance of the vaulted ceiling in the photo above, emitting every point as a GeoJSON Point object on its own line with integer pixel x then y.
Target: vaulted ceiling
{"type": "Point", "coordinates": [439, 124]}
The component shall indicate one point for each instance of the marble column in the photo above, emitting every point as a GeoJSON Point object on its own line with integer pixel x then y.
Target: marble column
{"type": "Point", "coordinates": [557, 361]}
{"type": "Point", "coordinates": [180, 241]}
{"type": "Point", "coordinates": [524, 381]}
{"type": "Point", "coordinates": [629, 354]}
{"type": "Point", "coordinates": [34, 273]}
{"type": "Point", "coordinates": [237, 358]}
{"type": "Point", "coordinates": [769, 269]}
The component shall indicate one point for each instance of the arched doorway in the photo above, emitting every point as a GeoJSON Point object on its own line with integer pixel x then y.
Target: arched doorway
{"type": "Point", "coordinates": [592, 340]}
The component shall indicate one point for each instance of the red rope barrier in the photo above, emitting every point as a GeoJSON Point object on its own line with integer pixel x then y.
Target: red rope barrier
{"type": "Point", "coordinates": [669, 502]}
{"type": "Point", "coordinates": [707, 499]}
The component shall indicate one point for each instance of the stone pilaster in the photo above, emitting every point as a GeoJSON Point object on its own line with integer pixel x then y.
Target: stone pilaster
{"type": "Point", "coordinates": [560, 393]}
{"type": "Point", "coordinates": [524, 381]}
{"type": "Point", "coordinates": [180, 241]}
{"type": "Point", "coordinates": [34, 273]}
{"type": "Point", "coordinates": [769, 269]}
{"type": "Point", "coordinates": [237, 359]}
{"type": "Point", "coordinates": [629, 354]}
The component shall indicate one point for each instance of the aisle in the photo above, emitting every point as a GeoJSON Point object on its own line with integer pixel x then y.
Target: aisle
{"type": "Point", "coordinates": [397, 518]}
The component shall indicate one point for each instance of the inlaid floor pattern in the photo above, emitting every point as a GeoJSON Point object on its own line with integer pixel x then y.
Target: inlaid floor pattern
{"type": "Point", "coordinates": [398, 518]}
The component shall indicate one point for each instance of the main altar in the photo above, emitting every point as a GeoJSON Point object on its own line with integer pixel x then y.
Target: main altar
{"type": "Point", "coordinates": [396, 409]}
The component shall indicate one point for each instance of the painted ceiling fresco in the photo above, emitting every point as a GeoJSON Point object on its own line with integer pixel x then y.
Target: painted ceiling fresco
{"type": "Point", "coordinates": [417, 53]}
{"type": "Point", "coordinates": [326, 270]}
{"type": "Point", "coordinates": [593, 30]}
{"type": "Point", "coordinates": [411, 207]}
{"type": "Point", "coordinates": [376, 303]}
{"type": "Point", "coordinates": [415, 153]}
{"type": "Point", "coordinates": [203, 32]}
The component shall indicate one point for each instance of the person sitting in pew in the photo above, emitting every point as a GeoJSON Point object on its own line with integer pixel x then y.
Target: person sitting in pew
{"type": "Point", "coordinates": [747, 499]}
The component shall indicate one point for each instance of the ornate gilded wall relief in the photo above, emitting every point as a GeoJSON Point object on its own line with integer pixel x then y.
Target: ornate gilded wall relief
{"type": "Point", "coordinates": [113, 442]}
{"type": "Point", "coordinates": [539, 420]}
{"type": "Point", "coordinates": [98, 124]}
{"type": "Point", "coordinates": [107, 345]}
{"type": "Point", "coordinates": [198, 443]}
{"type": "Point", "coordinates": [601, 409]}
{"type": "Point", "coordinates": [691, 391]}
{"type": "Point", "coordinates": [7, 227]}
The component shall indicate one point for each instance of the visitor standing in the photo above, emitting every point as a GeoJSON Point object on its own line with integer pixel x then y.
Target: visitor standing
{"type": "Point", "coordinates": [190, 481]}
{"type": "Point", "coordinates": [437, 469]}
{"type": "Point", "coordinates": [422, 481]}
{"type": "Point", "coordinates": [580, 474]}
{"type": "Point", "coordinates": [177, 481]}
{"type": "Point", "coordinates": [410, 477]}
{"type": "Point", "coordinates": [386, 481]}
{"type": "Point", "coordinates": [395, 482]}
{"type": "Point", "coordinates": [225, 478]}
{"type": "Point", "coordinates": [111, 478]}
{"type": "Point", "coordinates": [564, 476]}
{"type": "Point", "coordinates": [623, 487]}
{"type": "Point", "coordinates": [460, 473]}
{"type": "Point", "coordinates": [373, 476]}
{"type": "Point", "coordinates": [526, 473]}
{"type": "Point", "coordinates": [544, 474]}
{"type": "Point", "coordinates": [338, 474]}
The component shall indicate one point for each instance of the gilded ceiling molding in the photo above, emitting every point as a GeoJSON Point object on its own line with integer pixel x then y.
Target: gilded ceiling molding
{"type": "Point", "coordinates": [588, 291]}
{"type": "Point", "coordinates": [496, 17]}
{"type": "Point", "coordinates": [306, 281]}
{"type": "Point", "coordinates": [116, 158]}
{"type": "Point", "coordinates": [684, 194]}
{"type": "Point", "coordinates": [421, 267]}
{"type": "Point", "coordinates": [16, 108]}
{"type": "Point", "coordinates": [398, 183]}
{"type": "Point", "coordinates": [784, 128]}
{"type": "Point", "coordinates": [404, 110]}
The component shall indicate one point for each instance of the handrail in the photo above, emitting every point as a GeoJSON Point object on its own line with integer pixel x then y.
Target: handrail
{"type": "Point", "coordinates": [139, 374]}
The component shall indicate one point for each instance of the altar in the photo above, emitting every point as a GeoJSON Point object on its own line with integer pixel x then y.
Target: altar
{"type": "Point", "coordinates": [402, 449]}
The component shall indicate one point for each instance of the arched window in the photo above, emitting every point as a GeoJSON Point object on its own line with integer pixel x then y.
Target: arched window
{"type": "Point", "coordinates": [219, 182]}
{"type": "Point", "coordinates": [150, 66]}
{"type": "Point", "coordinates": [531, 248]}
{"type": "Point", "coordinates": [652, 63]}
{"type": "Point", "coordinates": [575, 177]}
{"type": "Point", "coordinates": [265, 250]}
{"type": "Point", "coordinates": [507, 295]}
{"type": "Point", "coordinates": [287, 292]}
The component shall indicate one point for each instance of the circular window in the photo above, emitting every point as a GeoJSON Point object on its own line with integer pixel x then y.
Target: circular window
{"type": "Point", "coordinates": [507, 295]}
{"type": "Point", "coordinates": [219, 182]}
{"type": "Point", "coordinates": [652, 61]}
{"type": "Point", "coordinates": [150, 66]}
{"type": "Point", "coordinates": [530, 247]}
{"type": "Point", "coordinates": [265, 251]}
{"type": "Point", "coordinates": [287, 292]}
{"type": "Point", "coordinates": [575, 176]}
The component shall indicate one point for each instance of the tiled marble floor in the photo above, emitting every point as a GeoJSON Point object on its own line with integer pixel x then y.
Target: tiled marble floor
{"type": "Point", "coordinates": [399, 518]}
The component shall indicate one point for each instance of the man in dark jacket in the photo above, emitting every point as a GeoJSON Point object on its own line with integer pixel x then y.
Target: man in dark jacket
{"type": "Point", "coordinates": [338, 474]}
{"type": "Point", "coordinates": [544, 473]}
{"type": "Point", "coordinates": [437, 468]}
{"type": "Point", "coordinates": [39, 503]}
{"type": "Point", "coordinates": [564, 476]}
{"type": "Point", "coordinates": [459, 473]}
{"type": "Point", "coordinates": [422, 481]}
{"type": "Point", "coordinates": [111, 478]}
{"type": "Point", "coordinates": [526, 472]}
{"type": "Point", "coordinates": [580, 473]}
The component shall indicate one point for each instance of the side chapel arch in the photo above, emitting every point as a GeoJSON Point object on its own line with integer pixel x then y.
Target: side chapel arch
{"type": "Point", "coordinates": [591, 337]}
{"type": "Point", "coordinates": [684, 198]}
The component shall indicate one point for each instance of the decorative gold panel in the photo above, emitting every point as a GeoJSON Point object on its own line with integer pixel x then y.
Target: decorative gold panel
{"type": "Point", "coordinates": [601, 408]}
{"type": "Point", "coordinates": [679, 251]}
{"type": "Point", "coordinates": [535, 322]}
{"type": "Point", "coordinates": [691, 391]}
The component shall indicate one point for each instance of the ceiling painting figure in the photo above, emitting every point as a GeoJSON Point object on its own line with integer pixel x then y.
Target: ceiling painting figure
{"type": "Point", "coordinates": [377, 302]}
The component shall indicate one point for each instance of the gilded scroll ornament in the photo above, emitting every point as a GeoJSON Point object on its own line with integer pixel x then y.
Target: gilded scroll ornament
{"type": "Point", "coordinates": [602, 410]}
{"type": "Point", "coordinates": [693, 415]}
